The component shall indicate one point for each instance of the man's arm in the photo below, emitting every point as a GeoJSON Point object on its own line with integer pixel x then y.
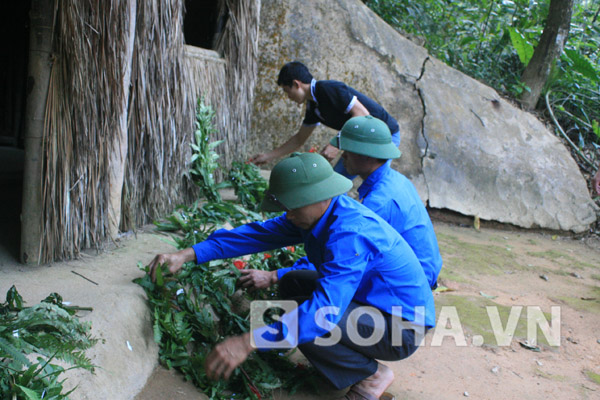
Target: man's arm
{"type": "Point", "coordinates": [249, 238]}
{"type": "Point", "coordinates": [227, 356]}
{"type": "Point", "coordinates": [253, 279]}
{"type": "Point", "coordinates": [359, 110]}
{"type": "Point", "coordinates": [292, 144]}
{"type": "Point", "coordinates": [173, 260]}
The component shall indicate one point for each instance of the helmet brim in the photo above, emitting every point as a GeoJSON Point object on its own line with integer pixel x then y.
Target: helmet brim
{"type": "Point", "coordinates": [385, 151]}
{"type": "Point", "coordinates": [304, 195]}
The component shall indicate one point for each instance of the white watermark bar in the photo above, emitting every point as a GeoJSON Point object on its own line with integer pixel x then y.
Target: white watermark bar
{"type": "Point", "coordinates": [284, 334]}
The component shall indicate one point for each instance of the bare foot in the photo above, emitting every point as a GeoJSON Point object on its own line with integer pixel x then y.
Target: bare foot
{"type": "Point", "coordinates": [377, 383]}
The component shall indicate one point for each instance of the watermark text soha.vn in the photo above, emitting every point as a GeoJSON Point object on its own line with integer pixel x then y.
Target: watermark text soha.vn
{"type": "Point", "coordinates": [448, 325]}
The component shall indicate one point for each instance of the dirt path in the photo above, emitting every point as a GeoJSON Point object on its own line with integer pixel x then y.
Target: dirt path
{"type": "Point", "coordinates": [515, 273]}
{"type": "Point", "coordinates": [508, 270]}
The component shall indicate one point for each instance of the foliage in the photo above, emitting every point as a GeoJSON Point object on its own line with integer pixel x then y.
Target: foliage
{"type": "Point", "coordinates": [493, 41]}
{"type": "Point", "coordinates": [49, 331]}
{"type": "Point", "coordinates": [248, 184]}
{"type": "Point", "coordinates": [202, 305]}
{"type": "Point", "coordinates": [204, 159]}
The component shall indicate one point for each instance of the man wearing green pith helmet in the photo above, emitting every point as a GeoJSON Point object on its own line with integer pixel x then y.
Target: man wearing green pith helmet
{"type": "Point", "coordinates": [368, 149]}
{"type": "Point", "coordinates": [363, 266]}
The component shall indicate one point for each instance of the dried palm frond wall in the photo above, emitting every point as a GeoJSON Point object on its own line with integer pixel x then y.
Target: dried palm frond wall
{"type": "Point", "coordinates": [239, 46]}
{"type": "Point", "coordinates": [85, 105]}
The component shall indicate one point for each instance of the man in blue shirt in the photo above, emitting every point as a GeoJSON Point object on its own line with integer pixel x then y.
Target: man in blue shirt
{"type": "Point", "coordinates": [369, 283]}
{"type": "Point", "coordinates": [367, 146]}
{"type": "Point", "coordinates": [329, 102]}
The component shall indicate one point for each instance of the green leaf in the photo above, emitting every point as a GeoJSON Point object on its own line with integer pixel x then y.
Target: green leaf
{"type": "Point", "coordinates": [30, 394]}
{"type": "Point", "coordinates": [7, 349]}
{"type": "Point", "coordinates": [523, 47]}
{"type": "Point", "coordinates": [14, 299]}
{"type": "Point", "coordinates": [467, 40]}
{"type": "Point", "coordinates": [160, 282]}
{"type": "Point", "coordinates": [596, 128]}
{"type": "Point", "coordinates": [581, 64]}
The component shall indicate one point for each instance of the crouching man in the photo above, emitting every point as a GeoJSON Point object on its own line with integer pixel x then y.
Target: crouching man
{"type": "Point", "coordinates": [370, 299]}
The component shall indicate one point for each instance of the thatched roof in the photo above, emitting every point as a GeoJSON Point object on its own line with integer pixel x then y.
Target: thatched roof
{"type": "Point", "coordinates": [86, 106]}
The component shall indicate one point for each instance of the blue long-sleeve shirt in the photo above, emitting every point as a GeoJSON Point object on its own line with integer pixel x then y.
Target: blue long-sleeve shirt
{"type": "Point", "coordinates": [394, 198]}
{"type": "Point", "coordinates": [358, 257]}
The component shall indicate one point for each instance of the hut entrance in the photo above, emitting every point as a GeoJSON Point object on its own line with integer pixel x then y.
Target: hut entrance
{"type": "Point", "coordinates": [203, 20]}
{"type": "Point", "coordinates": [14, 25]}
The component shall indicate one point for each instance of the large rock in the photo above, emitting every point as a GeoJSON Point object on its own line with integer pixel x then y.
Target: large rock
{"type": "Point", "coordinates": [488, 158]}
{"type": "Point", "coordinates": [464, 148]}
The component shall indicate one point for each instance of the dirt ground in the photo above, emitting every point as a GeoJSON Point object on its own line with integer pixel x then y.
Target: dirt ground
{"type": "Point", "coordinates": [513, 271]}
{"type": "Point", "coordinates": [517, 273]}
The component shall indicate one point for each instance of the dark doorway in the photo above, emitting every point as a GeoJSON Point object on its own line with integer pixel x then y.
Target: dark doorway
{"type": "Point", "coordinates": [14, 28]}
{"type": "Point", "coordinates": [202, 21]}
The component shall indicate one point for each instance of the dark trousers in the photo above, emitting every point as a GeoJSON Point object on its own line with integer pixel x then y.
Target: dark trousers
{"type": "Point", "coordinates": [348, 361]}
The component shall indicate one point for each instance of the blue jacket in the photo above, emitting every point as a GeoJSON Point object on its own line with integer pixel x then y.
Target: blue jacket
{"type": "Point", "coordinates": [394, 198]}
{"type": "Point", "coordinates": [358, 256]}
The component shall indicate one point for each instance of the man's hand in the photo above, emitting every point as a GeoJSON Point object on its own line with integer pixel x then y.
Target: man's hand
{"type": "Point", "coordinates": [596, 182]}
{"type": "Point", "coordinates": [227, 356]}
{"type": "Point", "coordinates": [173, 260]}
{"type": "Point", "coordinates": [256, 279]}
{"type": "Point", "coordinates": [330, 152]}
{"type": "Point", "coordinates": [260, 159]}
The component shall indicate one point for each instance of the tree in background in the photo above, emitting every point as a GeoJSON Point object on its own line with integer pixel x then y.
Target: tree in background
{"type": "Point", "coordinates": [548, 50]}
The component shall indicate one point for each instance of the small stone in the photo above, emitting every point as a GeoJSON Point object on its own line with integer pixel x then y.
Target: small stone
{"type": "Point", "coordinates": [538, 362]}
{"type": "Point", "coordinates": [495, 370]}
{"type": "Point", "coordinates": [466, 394]}
{"type": "Point", "coordinates": [544, 277]}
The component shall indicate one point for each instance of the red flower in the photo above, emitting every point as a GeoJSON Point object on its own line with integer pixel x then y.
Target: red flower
{"type": "Point", "coordinates": [312, 150]}
{"type": "Point", "coordinates": [239, 264]}
{"type": "Point", "coordinates": [267, 255]}
{"type": "Point", "coordinates": [291, 248]}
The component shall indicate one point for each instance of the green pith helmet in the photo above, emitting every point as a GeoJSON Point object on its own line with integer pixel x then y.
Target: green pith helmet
{"type": "Point", "coordinates": [368, 136]}
{"type": "Point", "coordinates": [300, 180]}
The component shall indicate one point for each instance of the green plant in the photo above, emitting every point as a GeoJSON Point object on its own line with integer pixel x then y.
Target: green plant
{"type": "Point", "coordinates": [200, 307]}
{"type": "Point", "coordinates": [204, 159]}
{"type": "Point", "coordinates": [49, 331]}
{"type": "Point", "coordinates": [248, 184]}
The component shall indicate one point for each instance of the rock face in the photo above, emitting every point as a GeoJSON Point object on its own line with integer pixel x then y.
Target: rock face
{"type": "Point", "coordinates": [464, 147]}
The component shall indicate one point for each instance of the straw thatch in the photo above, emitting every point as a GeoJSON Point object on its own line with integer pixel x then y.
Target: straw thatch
{"type": "Point", "coordinates": [86, 105]}
{"type": "Point", "coordinates": [239, 46]}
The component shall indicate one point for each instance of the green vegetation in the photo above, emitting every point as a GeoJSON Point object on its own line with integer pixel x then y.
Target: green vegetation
{"type": "Point", "coordinates": [594, 377]}
{"type": "Point", "coordinates": [562, 259]}
{"type": "Point", "coordinates": [48, 331]}
{"type": "Point", "coordinates": [588, 299]}
{"type": "Point", "coordinates": [201, 306]}
{"type": "Point", "coordinates": [493, 41]}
